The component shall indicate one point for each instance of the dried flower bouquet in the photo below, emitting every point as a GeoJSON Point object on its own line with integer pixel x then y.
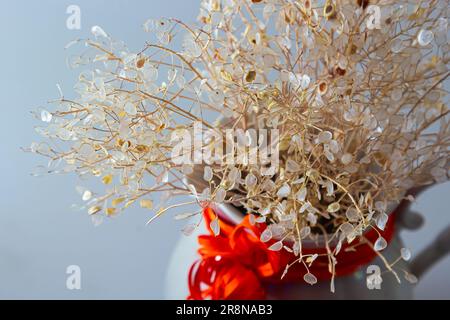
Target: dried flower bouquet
{"type": "Point", "coordinates": [356, 91]}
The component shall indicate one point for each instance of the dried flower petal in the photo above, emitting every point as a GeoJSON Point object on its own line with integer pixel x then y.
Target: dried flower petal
{"type": "Point", "coordinates": [411, 278]}
{"type": "Point", "coordinates": [94, 210]}
{"type": "Point", "coordinates": [334, 207]}
{"type": "Point", "coordinates": [277, 246]}
{"type": "Point", "coordinates": [189, 229]}
{"type": "Point", "coordinates": [98, 32]}
{"type": "Point", "coordinates": [107, 179]}
{"type": "Point", "coordinates": [250, 180]}
{"type": "Point", "coordinates": [266, 235]}
{"type": "Point", "coordinates": [352, 214]}
{"type": "Point", "coordinates": [215, 227]}
{"type": "Point", "coordinates": [130, 108]}
{"type": "Point", "coordinates": [117, 201]}
{"type": "Point", "coordinates": [146, 204]}
{"type": "Point", "coordinates": [406, 254]}
{"type": "Point", "coordinates": [301, 195]}
{"type": "Point", "coordinates": [111, 211]}
{"type": "Point", "coordinates": [382, 221]}
{"type": "Point", "coordinates": [87, 195]}
{"type": "Point", "coordinates": [284, 191]}
{"type": "Point", "coordinates": [346, 159]}
{"type": "Point", "coordinates": [380, 244]}
{"type": "Point", "coordinates": [425, 37]}
{"type": "Point", "coordinates": [310, 279]}
{"type": "Point", "coordinates": [325, 137]}
{"type": "Point", "coordinates": [305, 232]}
{"type": "Point", "coordinates": [46, 116]}
{"type": "Point", "coordinates": [220, 195]}
{"type": "Point", "coordinates": [208, 174]}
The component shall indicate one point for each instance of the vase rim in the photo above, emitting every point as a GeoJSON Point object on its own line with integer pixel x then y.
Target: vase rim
{"type": "Point", "coordinates": [235, 216]}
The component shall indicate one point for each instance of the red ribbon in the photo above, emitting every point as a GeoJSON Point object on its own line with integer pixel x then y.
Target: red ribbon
{"type": "Point", "coordinates": [236, 264]}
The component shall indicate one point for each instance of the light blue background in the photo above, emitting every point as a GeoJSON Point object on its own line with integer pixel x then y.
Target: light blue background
{"type": "Point", "coordinates": [39, 234]}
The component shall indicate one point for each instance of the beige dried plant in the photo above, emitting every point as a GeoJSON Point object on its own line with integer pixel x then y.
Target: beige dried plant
{"type": "Point", "coordinates": [360, 104]}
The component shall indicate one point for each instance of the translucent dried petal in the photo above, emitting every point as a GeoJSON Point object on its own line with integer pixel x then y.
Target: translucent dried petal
{"type": "Point", "coordinates": [250, 180]}
{"type": "Point", "coordinates": [284, 191]}
{"type": "Point", "coordinates": [310, 279]}
{"type": "Point", "coordinates": [411, 278]}
{"type": "Point", "coordinates": [347, 228]}
{"type": "Point", "coordinates": [220, 195]}
{"type": "Point", "coordinates": [277, 246]}
{"type": "Point", "coordinates": [425, 37]}
{"type": "Point", "coordinates": [252, 219]}
{"type": "Point", "coordinates": [305, 232]}
{"type": "Point", "coordinates": [111, 211]}
{"type": "Point", "coordinates": [215, 227]}
{"type": "Point", "coordinates": [150, 73]}
{"type": "Point", "coordinates": [397, 45]}
{"type": "Point", "coordinates": [302, 193]}
{"type": "Point", "coordinates": [325, 137]}
{"type": "Point", "coordinates": [330, 188]}
{"type": "Point", "coordinates": [347, 159]}
{"type": "Point", "coordinates": [189, 229]}
{"type": "Point", "coordinates": [397, 94]}
{"type": "Point", "coordinates": [46, 116]}
{"type": "Point", "coordinates": [382, 221]}
{"type": "Point", "coordinates": [311, 259]}
{"type": "Point", "coordinates": [292, 166]}
{"type": "Point", "coordinates": [266, 235]}
{"type": "Point", "coordinates": [97, 219]}
{"type": "Point", "coordinates": [117, 201]}
{"type": "Point", "coordinates": [130, 108]}
{"type": "Point", "coordinates": [311, 218]}
{"type": "Point", "coordinates": [380, 244]}
{"type": "Point", "coordinates": [334, 207]}
{"type": "Point", "coordinates": [277, 230]}
{"type": "Point", "coordinates": [87, 195]}
{"type": "Point", "coordinates": [352, 214]}
{"type": "Point", "coordinates": [208, 174]}
{"type": "Point", "coordinates": [304, 207]}
{"type": "Point", "coordinates": [107, 179]}
{"type": "Point", "coordinates": [94, 210]}
{"type": "Point", "coordinates": [98, 32]}
{"type": "Point", "coordinates": [146, 204]}
{"type": "Point", "coordinates": [405, 253]}
{"type": "Point", "coordinates": [217, 96]}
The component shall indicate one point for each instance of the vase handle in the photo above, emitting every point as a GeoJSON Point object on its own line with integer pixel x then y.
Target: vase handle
{"type": "Point", "coordinates": [436, 250]}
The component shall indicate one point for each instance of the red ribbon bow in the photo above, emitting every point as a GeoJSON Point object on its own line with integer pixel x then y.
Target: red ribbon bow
{"type": "Point", "coordinates": [236, 264]}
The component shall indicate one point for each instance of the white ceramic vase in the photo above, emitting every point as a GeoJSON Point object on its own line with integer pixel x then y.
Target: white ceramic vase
{"type": "Point", "coordinates": [349, 287]}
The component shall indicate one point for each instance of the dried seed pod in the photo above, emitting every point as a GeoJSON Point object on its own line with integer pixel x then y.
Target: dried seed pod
{"type": "Point", "coordinates": [329, 10]}
{"type": "Point", "coordinates": [251, 76]}
{"type": "Point", "coordinates": [363, 3]}
{"type": "Point", "coordinates": [323, 88]}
